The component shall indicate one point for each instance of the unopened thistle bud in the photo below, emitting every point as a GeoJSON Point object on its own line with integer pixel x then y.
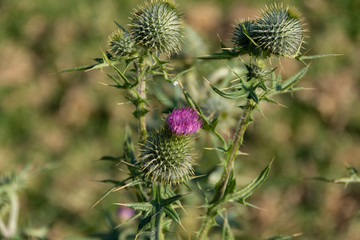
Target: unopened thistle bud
{"type": "Point", "coordinates": [257, 70]}
{"type": "Point", "coordinates": [121, 44]}
{"type": "Point", "coordinates": [158, 27]}
{"type": "Point", "coordinates": [242, 35]}
{"type": "Point", "coordinates": [165, 156]}
{"type": "Point", "coordinates": [279, 31]}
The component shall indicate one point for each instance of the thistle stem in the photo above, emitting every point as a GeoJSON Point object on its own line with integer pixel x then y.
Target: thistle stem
{"type": "Point", "coordinates": [140, 104]}
{"type": "Point", "coordinates": [237, 142]}
{"type": "Point", "coordinates": [14, 214]}
{"type": "Point", "coordinates": [140, 109]}
{"type": "Point", "coordinates": [156, 233]}
{"type": "Point", "coordinates": [3, 230]}
{"type": "Point", "coordinates": [209, 218]}
{"type": "Point", "coordinates": [10, 231]}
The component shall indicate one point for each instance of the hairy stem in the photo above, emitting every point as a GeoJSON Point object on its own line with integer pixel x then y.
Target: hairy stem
{"type": "Point", "coordinates": [10, 231]}
{"type": "Point", "coordinates": [3, 230]}
{"type": "Point", "coordinates": [209, 218]}
{"type": "Point", "coordinates": [156, 233]}
{"type": "Point", "coordinates": [140, 109]}
{"type": "Point", "coordinates": [237, 142]}
{"type": "Point", "coordinates": [140, 105]}
{"type": "Point", "coordinates": [14, 214]}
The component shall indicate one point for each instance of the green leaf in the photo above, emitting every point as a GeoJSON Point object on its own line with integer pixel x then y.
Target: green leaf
{"type": "Point", "coordinates": [225, 54]}
{"type": "Point", "coordinates": [180, 74]}
{"type": "Point", "coordinates": [161, 66]}
{"type": "Point", "coordinates": [248, 190]}
{"type": "Point", "coordinates": [226, 232]}
{"type": "Point", "coordinates": [170, 200]}
{"type": "Point", "coordinates": [252, 95]}
{"type": "Point", "coordinates": [230, 95]}
{"type": "Point", "coordinates": [106, 194]}
{"type": "Point", "coordinates": [171, 213]}
{"type": "Point", "coordinates": [116, 182]}
{"type": "Point", "coordinates": [129, 154]}
{"type": "Point", "coordinates": [121, 27]}
{"type": "Point", "coordinates": [303, 57]}
{"type": "Point", "coordinates": [118, 84]}
{"type": "Point", "coordinates": [282, 237]}
{"type": "Point", "coordinates": [138, 206]}
{"type": "Point", "coordinates": [80, 68]}
{"type": "Point", "coordinates": [111, 158]}
{"type": "Point", "coordinates": [144, 221]}
{"type": "Point", "coordinates": [353, 178]}
{"type": "Point", "coordinates": [231, 185]}
{"type": "Point", "coordinates": [122, 76]}
{"type": "Point", "coordinates": [291, 81]}
{"type": "Point", "coordinates": [120, 185]}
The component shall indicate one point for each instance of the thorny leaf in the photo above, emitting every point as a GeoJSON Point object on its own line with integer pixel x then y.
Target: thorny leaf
{"type": "Point", "coordinates": [248, 190]}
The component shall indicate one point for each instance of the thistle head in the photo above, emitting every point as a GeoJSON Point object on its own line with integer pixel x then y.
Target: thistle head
{"type": "Point", "coordinates": [279, 31]}
{"type": "Point", "coordinates": [157, 27]}
{"type": "Point", "coordinates": [165, 155]}
{"type": "Point", "coordinates": [184, 121]}
{"type": "Point", "coordinates": [121, 44]}
{"type": "Point", "coordinates": [242, 34]}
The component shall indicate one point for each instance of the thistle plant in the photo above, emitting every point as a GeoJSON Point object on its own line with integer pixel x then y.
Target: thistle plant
{"type": "Point", "coordinates": [164, 161]}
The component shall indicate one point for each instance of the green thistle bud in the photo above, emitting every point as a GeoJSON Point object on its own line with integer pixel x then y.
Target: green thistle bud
{"type": "Point", "coordinates": [257, 70]}
{"type": "Point", "coordinates": [279, 31]}
{"type": "Point", "coordinates": [157, 27]}
{"type": "Point", "coordinates": [121, 44]}
{"type": "Point", "coordinates": [242, 34]}
{"type": "Point", "coordinates": [165, 156]}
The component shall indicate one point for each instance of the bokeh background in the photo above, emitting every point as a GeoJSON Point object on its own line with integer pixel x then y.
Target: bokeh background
{"type": "Point", "coordinates": [63, 123]}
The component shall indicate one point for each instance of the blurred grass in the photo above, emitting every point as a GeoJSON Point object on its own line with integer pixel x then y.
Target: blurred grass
{"type": "Point", "coordinates": [67, 122]}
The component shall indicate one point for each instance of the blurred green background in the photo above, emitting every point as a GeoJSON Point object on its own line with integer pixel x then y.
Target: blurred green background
{"type": "Point", "coordinates": [63, 123]}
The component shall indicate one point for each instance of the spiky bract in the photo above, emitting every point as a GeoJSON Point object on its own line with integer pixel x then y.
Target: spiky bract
{"type": "Point", "coordinates": [242, 35]}
{"type": "Point", "coordinates": [184, 121]}
{"type": "Point", "coordinates": [279, 31]}
{"type": "Point", "coordinates": [158, 27]}
{"type": "Point", "coordinates": [165, 157]}
{"type": "Point", "coordinates": [121, 44]}
{"type": "Point", "coordinates": [257, 70]}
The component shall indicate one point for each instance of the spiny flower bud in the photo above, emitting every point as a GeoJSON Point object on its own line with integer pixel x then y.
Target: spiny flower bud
{"type": "Point", "coordinates": [165, 156]}
{"type": "Point", "coordinates": [121, 44]}
{"type": "Point", "coordinates": [157, 27]}
{"type": "Point", "coordinates": [279, 31]}
{"type": "Point", "coordinates": [242, 34]}
{"type": "Point", "coordinates": [256, 70]}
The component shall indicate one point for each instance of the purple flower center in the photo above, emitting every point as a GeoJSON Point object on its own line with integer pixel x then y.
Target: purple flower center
{"type": "Point", "coordinates": [184, 121]}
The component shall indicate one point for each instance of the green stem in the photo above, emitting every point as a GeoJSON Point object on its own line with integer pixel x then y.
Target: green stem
{"type": "Point", "coordinates": [209, 218]}
{"type": "Point", "coordinates": [140, 109]}
{"type": "Point", "coordinates": [3, 229]}
{"type": "Point", "coordinates": [237, 142]}
{"type": "Point", "coordinates": [14, 214]}
{"type": "Point", "coordinates": [156, 233]}
{"type": "Point", "coordinates": [140, 105]}
{"type": "Point", "coordinates": [10, 231]}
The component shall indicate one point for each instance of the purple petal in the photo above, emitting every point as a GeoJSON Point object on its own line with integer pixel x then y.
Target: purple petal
{"type": "Point", "coordinates": [184, 121]}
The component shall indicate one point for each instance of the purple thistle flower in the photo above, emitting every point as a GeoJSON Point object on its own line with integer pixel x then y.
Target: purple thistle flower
{"type": "Point", "coordinates": [125, 213]}
{"type": "Point", "coordinates": [184, 121]}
